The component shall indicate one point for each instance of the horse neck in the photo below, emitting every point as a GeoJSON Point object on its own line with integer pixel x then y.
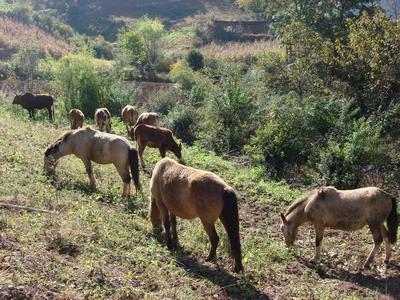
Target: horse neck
{"type": "Point", "coordinates": [298, 215]}
{"type": "Point", "coordinates": [63, 150]}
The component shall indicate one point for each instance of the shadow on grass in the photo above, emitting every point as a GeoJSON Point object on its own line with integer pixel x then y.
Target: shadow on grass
{"type": "Point", "coordinates": [131, 204]}
{"type": "Point", "coordinates": [389, 285]}
{"type": "Point", "coordinates": [230, 286]}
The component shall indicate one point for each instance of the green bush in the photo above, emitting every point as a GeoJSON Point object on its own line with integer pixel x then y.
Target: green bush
{"type": "Point", "coordinates": [163, 101]}
{"type": "Point", "coordinates": [79, 83]}
{"type": "Point", "coordinates": [195, 60]}
{"type": "Point", "coordinates": [25, 62]}
{"type": "Point", "coordinates": [183, 75]}
{"type": "Point", "coordinates": [184, 122]}
{"type": "Point", "coordinates": [229, 117]}
{"type": "Point", "coordinates": [344, 164]}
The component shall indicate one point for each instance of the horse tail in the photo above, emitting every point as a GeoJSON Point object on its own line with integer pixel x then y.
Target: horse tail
{"type": "Point", "coordinates": [134, 165]}
{"type": "Point", "coordinates": [393, 222]}
{"type": "Point", "coordinates": [230, 219]}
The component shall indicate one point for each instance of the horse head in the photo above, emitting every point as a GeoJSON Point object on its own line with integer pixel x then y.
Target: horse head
{"type": "Point", "coordinates": [17, 99]}
{"type": "Point", "coordinates": [289, 230]}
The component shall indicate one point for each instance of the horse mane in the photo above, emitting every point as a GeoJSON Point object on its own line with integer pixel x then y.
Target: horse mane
{"type": "Point", "coordinates": [298, 203]}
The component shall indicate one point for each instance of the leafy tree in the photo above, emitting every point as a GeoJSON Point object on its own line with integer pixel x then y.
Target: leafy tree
{"type": "Point", "coordinates": [143, 44]}
{"type": "Point", "coordinates": [195, 60]}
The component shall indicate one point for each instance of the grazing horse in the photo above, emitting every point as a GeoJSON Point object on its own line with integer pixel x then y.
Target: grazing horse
{"type": "Point", "coordinates": [345, 210]}
{"type": "Point", "coordinates": [102, 117]}
{"type": "Point", "coordinates": [155, 137]}
{"type": "Point", "coordinates": [129, 116]}
{"type": "Point", "coordinates": [76, 118]}
{"type": "Point", "coordinates": [151, 118]}
{"type": "Point", "coordinates": [103, 148]}
{"type": "Point", "coordinates": [31, 102]}
{"type": "Point", "coordinates": [177, 190]}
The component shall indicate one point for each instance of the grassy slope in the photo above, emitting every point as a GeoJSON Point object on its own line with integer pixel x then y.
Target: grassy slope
{"type": "Point", "coordinates": [100, 245]}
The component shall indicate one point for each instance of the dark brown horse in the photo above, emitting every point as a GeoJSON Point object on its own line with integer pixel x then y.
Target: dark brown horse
{"type": "Point", "coordinates": [31, 102]}
{"type": "Point", "coordinates": [155, 137]}
{"type": "Point", "coordinates": [177, 190]}
{"type": "Point", "coordinates": [348, 210]}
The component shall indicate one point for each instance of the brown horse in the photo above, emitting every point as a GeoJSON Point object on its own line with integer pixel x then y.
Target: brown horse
{"type": "Point", "coordinates": [155, 137]}
{"type": "Point", "coordinates": [177, 190]}
{"type": "Point", "coordinates": [102, 117]}
{"type": "Point", "coordinates": [103, 148]}
{"type": "Point", "coordinates": [76, 118]}
{"type": "Point", "coordinates": [151, 118]}
{"type": "Point", "coordinates": [129, 116]}
{"type": "Point", "coordinates": [345, 210]}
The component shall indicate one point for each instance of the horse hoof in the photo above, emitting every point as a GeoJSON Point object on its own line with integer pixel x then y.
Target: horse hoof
{"type": "Point", "coordinates": [211, 259]}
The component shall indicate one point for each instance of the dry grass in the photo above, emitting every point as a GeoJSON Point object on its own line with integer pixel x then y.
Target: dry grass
{"type": "Point", "coordinates": [15, 35]}
{"type": "Point", "coordinates": [236, 50]}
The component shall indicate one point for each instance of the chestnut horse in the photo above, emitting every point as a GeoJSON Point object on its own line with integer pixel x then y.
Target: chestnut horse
{"type": "Point", "coordinates": [149, 118]}
{"type": "Point", "coordinates": [76, 118]}
{"type": "Point", "coordinates": [103, 148]}
{"type": "Point", "coordinates": [177, 190]}
{"type": "Point", "coordinates": [102, 118]}
{"type": "Point", "coordinates": [129, 116]}
{"type": "Point", "coordinates": [348, 210]}
{"type": "Point", "coordinates": [155, 137]}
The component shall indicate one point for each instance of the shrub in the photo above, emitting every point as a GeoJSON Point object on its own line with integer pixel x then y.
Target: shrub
{"type": "Point", "coordinates": [344, 164]}
{"type": "Point", "coordinates": [195, 60]}
{"type": "Point", "coordinates": [163, 101]}
{"type": "Point", "coordinates": [229, 117]}
{"type": "Point", "coordinates": [184, 123]}
{"type": "Point", "coordinates": [79, 83]}
{"type": "Point", "coordinates": [183, 75]}
{"type": "Point", "coordinates": [25, 62]}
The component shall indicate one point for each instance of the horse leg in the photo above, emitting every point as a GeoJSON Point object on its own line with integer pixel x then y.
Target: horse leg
{"type": "Point", "coordinates": [377, 236]}
{"type": "Point", "coordinates": [214, 239]}
{"type": "Point", "coordinates": [89, 171]}
{"type": "Point", "coordinates": [30, 113]}
{"type": "Point", "coordinates": [50, 114]}
{"type": "Point", "coordinates": [167, 225]}
{"type": "Point", "coordinates": [33, 114]}
{"type": "Point", "coordinates": [163, 152]}
{"type": "Point", "coordinates": [140, 152]}
{"type": "Point", "coordinates": [126, 178]}
{"type": "Point", "coordinates": [319, 235]}
{"type": "Point", "coordinates": [172, 219]}
{"type": "Point", "coordinates": [388, 247]}
{"type": "Point", "coordinates": [155, 216]}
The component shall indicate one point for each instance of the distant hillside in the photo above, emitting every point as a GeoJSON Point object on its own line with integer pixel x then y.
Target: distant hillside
{"type": "Point", "coordinates": [105, 17]}
{"type": "Point", "coordinates": [15, 35]}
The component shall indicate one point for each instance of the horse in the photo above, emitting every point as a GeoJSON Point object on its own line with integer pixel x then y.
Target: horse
{"type": "Point", "coordinates": [348, 210]}
{"type": "Point", "coordinates": [151, 118]}
{"type": "Point", "coordinates": [129, 116]}
{"type": "Point", "coordinates": [102, 117]}
{"type": "Point", "coordinates": [177, 190]}
{"type": "Point", "coordinates": [31, 102]}
{"type": "Point", "coordinates": [100, 147]}
{"type": "Point", "coordinates": [155, 137]}
{"type": "Point", "coordinates": [76, 118]}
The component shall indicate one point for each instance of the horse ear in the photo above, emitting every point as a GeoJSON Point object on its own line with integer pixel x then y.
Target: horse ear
{"type": "Point", "coordinates": [283, 217]}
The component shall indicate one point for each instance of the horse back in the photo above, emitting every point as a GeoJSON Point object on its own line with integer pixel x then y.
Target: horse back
{"type": "Point", "coordinates": [348, 209]}
{"type": "Point", "coordinates": [152, 136]}
{"type": "Point", "coordinates": [31, 101]}
{"type": "Point", "coordinates": [186, 192]}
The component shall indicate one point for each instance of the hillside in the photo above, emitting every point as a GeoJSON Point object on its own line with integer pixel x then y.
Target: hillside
{"type": "Point", "coordinates": [15, 35]}
{"type": "Point", "coordinates": [98, 245]}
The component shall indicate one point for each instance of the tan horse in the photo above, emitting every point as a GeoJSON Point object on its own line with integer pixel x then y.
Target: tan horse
{"type": "Point", "coordinates": [102, 118]}
{"type": "Point", "coordinates": [103, 148]}
{"type": "Point", "coordinates": [177, 190]}
{"type": "Point", "coordinates": [129, 116]}
{"type": "Point", "coordinates": [348, 210]}
{"type": "Point", "coordinates": [155, 137]}
{"type": "Point", "coordinates": [76, 118]}
{"type": "Point", "coordinates": [151, 118]}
